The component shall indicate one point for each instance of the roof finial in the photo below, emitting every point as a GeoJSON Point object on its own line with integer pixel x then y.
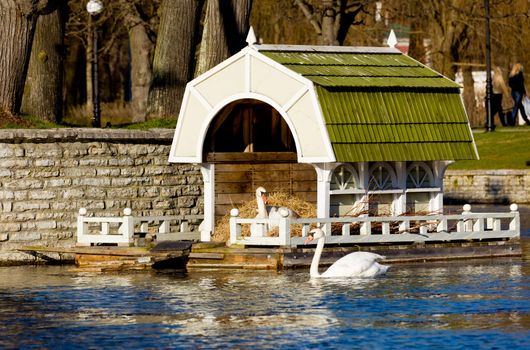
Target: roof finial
{"type": "Point", "coordinates": [251, 37]}
{"type": "Point", "coordinates": [392, 40]}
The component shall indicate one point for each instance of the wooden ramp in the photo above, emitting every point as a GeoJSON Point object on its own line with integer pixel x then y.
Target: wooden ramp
{"type": "Point", "coordinates": [114, 258]}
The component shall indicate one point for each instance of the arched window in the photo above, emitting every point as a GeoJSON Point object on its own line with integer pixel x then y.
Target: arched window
{"type": "Point", "coordinates": [381, 189]}
{"type": "Point", "coordinates": [420, 188]}
{"type": "Point", "coordinates": [382, 177]}
{"type": "Point", "coordinates": [344, 178]}
{"type": "Point", "coordinates": [419, 175]}
{"type": "Point", "coordinates": [344, 191]}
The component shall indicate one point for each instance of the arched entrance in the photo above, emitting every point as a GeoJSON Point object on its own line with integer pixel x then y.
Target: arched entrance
{"type": "Point", "coordinates": [251, 145]}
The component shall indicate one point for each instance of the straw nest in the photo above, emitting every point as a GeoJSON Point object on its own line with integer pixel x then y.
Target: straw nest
{"type": "Point", "coordinates": [249, 210]}
{"type": "Point", "coordinates": [308, 210]}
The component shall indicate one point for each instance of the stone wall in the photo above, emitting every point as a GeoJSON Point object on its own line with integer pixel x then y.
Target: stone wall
{"type": "Point", "coordinates": [47, 175]}
{"type": "Point", "coordinates": [487, 186]}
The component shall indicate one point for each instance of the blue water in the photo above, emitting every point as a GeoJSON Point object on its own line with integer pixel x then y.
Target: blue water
{"type": "Point", "coordinates": [479, 304]}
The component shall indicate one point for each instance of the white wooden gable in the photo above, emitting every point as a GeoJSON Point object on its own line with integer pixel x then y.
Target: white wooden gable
{"type": "Point", "coordinates": [251, 75]}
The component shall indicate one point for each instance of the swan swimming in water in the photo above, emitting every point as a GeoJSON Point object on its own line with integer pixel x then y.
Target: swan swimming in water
{"type": "Point", "coordinates": [356, 264]}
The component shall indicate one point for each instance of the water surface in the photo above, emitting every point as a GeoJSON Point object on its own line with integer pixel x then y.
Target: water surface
{"type": "Point", "coordinates": [471, 304]}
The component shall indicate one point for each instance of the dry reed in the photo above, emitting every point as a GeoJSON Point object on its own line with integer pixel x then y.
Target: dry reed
{"type": "Point", "coordinates": [249, 210]}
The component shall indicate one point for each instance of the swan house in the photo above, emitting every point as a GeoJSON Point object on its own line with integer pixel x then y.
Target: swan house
{"type": "Point", "coordinates": [366, 133]}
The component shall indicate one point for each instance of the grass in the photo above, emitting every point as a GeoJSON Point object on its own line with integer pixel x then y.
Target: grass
{"type": "Point", "coordinates": [168, 123]}
{"type": "Point", "coordinates": [505, 148]}
{"type": "Point", "coordinates": [27, 122]}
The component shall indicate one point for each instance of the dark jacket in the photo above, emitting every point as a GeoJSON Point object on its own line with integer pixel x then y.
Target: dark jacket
{"type": "Point", "coordinates": [516, 83]}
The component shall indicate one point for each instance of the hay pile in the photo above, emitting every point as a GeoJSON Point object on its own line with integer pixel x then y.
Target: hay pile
{"type": "Point", "coordinates": [249, 210]}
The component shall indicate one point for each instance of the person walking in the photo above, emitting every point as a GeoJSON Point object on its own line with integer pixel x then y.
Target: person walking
{"type": "Point", "coordinates": [516, 82]}
{"type": "Point", "coordinates": [499, 89]}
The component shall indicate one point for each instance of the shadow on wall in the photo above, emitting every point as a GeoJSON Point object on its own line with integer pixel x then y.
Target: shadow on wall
{"type": "Point", "coordinates": [493, 192]}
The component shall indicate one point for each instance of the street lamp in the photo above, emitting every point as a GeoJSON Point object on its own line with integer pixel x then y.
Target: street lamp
{"type": "Point", "coordinates": [489, 117]}
{"type": "Point", "coordinates": [94, 7]}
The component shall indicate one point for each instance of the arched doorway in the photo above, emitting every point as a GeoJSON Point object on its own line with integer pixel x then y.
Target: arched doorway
{"type": "Point", "coordinates": [251, 145]}
{"type": "Point", "coordinates": [248, 125]}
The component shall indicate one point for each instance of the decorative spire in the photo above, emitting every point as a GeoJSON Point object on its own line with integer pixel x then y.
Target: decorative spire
{"type": "Point", "coordinates": [392, 40]}
{"type": "Point", "coordinates": [251, 37]}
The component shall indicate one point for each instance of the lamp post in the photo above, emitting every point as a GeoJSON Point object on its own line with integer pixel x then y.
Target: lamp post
{"type": "Point", "coordinates": [94, 7]}
{"type": "Point", "coordinates": [489, 88]}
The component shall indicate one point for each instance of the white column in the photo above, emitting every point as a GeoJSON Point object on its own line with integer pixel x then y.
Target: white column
{"type": "Point", "coordinates": [208, 177]}
{"type": "Point", "coordinates": [364, 181]}
{"type": "Point", "coordinates": [323, 179]}
{"type": "Point", "coordinates": [400, 200]}
{"type": "Point", "coordinates": [437, 200]}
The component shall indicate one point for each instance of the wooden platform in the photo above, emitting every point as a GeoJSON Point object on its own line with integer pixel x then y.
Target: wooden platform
{"type": "Point", "coordinates": [170, 256]}
{"type": "Point", "coordinates": [114, 258]}
{"type": "Point", "coordinates": [290, 258]}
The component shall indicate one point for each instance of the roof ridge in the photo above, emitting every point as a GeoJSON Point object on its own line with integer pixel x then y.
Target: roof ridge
{"type": "Point", "coordinates": [328, 49]}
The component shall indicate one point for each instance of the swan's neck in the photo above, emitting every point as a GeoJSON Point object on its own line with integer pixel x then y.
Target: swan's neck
{"type": "Point", "coordinates": [262, 211]}
{"type": "Point", "coordinates": [313, 271]}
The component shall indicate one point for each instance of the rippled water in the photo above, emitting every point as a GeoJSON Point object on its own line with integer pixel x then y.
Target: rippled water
{"type": "Point", "coordinates": [470, 304]}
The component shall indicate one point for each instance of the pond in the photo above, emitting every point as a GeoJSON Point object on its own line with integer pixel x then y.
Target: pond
{"type": "Point", "coordinates": [467, 304]}
{"type": "Point", "coordinates": [448, 305]}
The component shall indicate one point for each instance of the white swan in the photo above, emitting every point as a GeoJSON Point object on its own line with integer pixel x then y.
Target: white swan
{"type": "Point", "coordinates": [356, 264]}
{"type": "Point", "coordinates": [268, 212]}
{"type": "Point", "coordinates": [271, 212]}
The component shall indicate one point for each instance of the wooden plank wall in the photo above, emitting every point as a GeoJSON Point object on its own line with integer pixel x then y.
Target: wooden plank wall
{"type": "Point", "coordinates": [236, 183]}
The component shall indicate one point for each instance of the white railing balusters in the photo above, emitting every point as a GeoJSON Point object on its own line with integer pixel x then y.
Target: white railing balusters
{"type": "Point", "coordinates": [126, 227]}
{"type": "Point", "coordinates": [408, 229]}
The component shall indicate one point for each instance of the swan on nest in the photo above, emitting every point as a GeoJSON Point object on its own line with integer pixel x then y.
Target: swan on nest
{"type": "Point", "coordinates": [270, 212]}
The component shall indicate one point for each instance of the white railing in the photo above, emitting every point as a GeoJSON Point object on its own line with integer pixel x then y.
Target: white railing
{"type": "Point", "coordinates": [395, 229]}
{"type": "Point", "coordinates": [121, 230]}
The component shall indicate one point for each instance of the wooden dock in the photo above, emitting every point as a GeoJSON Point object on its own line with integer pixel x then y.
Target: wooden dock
{"type": "Point", "coordinates": [115, 258]}
{"type": "Point", "coordinates": [181, 256]}
{"type": "Point", "coordinates": [284, 258]}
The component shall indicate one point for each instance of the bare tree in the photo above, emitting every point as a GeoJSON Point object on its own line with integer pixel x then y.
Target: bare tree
{"type": "Point", "coordinates": [44, 82]}
{"type": "Point", "coordinates": [225, 28]}
{"type": "Point", "coordinates": [17, 27]}
{"type": "Point", "coordinates": [332, 19]}
{"type": "Point", "coordinates": [141, 48]}
{"type": "Point", "coordinates": [450, 31]}
{"type": "Point", "coordinates": [173, 60]}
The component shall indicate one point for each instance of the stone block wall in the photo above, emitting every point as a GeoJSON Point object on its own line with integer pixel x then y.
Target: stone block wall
{"type": "Point", "coordinates": [487, 186]}
{"type": "Point", "coordinates": [47, 175]}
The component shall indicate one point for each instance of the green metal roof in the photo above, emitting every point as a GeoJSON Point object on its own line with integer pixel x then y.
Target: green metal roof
{"type": "Point", "coordinates": [381, 105]}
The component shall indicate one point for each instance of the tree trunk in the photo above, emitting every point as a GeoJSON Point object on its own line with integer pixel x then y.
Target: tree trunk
{"type": "Point", "coordinates": [44, 82]}
{"type": "Point", "coordinates": [329, 32]}
{"type": "Point", "coordinates": [141, 52]}
{"type": "Point", "coordinates": [17, 26]}
{"type": "Point", "coordinates": [174, 53]}
{"type": "Point", "coordinates": [225, 29]}
{"type": "Point", "coordinates": [470, 102]}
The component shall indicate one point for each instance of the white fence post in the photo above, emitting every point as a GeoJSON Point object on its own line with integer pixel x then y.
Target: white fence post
{"type": "Point", "coordinates": [285, 230]}
{"type": "Point", "coordinates": [82, 228]}
{"type": "Point", "coordinates": [127, 227]}
{"type": "Point", "coordinates": [515, 224]}
{"type": "Point", "coordinates": [235, 228]}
